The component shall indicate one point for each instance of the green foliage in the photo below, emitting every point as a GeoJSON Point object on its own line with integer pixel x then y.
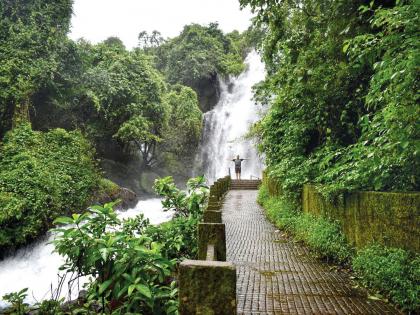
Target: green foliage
{"type": "Point", "coordinates": [392, 271]}
{"type": "Point", "coordinates": [199, 52]}
{"type": "Point", "coordinates": [130, 273]}
{"type": "Point", "coordinates": [118, 98]}
{"type": "Point", "coordinates": [30, 34]}
{"type": "Point", "coordinates": [49, 307]}
{"type": "Point", "coordinates": [132, 263]}
{"type": "Point", "coordinates": [342, 93]}
{"type": "Point", "coordinates": [188, 203]}
{"type": "Point", "coordinates": [42, 175]}
{"type": "Point", "coordinates": [16, 299]}
{"type": "Point", "coordinates": [322, 236]}
{"type": "Point", "coordinates": [177, 237]}
{"type": "Point", "coordinates": [183, 134]}
{"type": "Point", "coordinates": [107, 187]}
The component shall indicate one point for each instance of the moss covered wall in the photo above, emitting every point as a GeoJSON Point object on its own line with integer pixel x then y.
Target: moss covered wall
{"type": "Point", "coordinates": [389, 218]}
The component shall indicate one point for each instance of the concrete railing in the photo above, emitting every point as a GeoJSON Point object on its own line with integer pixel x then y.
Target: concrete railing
{"type": "Point", "coordinates": [208, 285]}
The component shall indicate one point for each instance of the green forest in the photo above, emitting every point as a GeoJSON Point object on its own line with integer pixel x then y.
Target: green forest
{"type": "Point", "coordinates": [342, 90]}
{"type": "Point", "coordinates": [340, 110]}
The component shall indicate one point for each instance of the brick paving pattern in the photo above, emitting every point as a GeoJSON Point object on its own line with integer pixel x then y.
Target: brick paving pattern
{"type": "Point", "coordinates": [277, 276]}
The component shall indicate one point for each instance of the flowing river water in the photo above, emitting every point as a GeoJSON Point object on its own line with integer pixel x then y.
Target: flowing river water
{"type": "Point", "coordinates": [36, 267]}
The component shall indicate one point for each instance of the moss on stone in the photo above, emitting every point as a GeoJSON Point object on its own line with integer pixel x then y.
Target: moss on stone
{"type": "Point", "coordinates": [211, 216]}
{"type": "Point", "coordinates": [212, 233]}
{"type": "Point", "coordinates": [207, 288]}
{"type": "Point", "coordinates": [391, 219]}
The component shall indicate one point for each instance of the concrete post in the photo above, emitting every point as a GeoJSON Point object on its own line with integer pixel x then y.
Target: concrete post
{"type": "Point", "coordinates": [212, 233]}
{"type": "Point", "coordinates": [212, 216]}
{"type": "Point", "coordinates": [207, 288]}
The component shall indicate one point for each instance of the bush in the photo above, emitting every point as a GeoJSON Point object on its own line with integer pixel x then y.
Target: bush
{"type": "Point", "coordinates": [178, 237]}
{"type": "Point", "coordinates": [392, 271]}
{"type": "Point", "coordinates": [322, 236]}
{"type": "Point", "coordinates": [130, 273]}
{"type": "Point", "coordinates": [131, 262]}
{"type": "Point", "coordinates": [42, 176]}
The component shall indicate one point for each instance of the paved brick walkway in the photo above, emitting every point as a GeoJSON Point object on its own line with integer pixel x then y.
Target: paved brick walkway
{"type": "Point", "coordinates": [278, 276]}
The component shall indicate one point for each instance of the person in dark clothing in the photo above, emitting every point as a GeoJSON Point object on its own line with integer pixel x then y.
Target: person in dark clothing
{"type": "Point", "coordinates": [238, 164]}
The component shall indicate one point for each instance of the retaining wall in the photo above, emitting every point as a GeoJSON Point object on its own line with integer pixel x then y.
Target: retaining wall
{"type": "Point", "coordinates": [388, 218]}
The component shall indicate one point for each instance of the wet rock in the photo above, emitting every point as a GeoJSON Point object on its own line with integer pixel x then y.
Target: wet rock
{"type": "Point", "coordinates": [109, 191]}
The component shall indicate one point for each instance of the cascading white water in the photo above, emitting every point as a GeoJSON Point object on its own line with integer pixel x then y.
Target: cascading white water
{"type": "Point", "coordinates": [227, 124]}
{"type": "Point", "coordinates": [36, 266]}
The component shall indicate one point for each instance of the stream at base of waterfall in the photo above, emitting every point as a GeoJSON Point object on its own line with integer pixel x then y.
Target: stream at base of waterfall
{"type": "Point", "coordinates": [36, 267]}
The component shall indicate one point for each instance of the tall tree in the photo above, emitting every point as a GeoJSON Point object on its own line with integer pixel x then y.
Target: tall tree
{"type": "Point", "coordinates": [30, 33]}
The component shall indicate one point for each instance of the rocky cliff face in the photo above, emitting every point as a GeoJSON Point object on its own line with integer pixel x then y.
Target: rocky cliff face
{"type": "Point", "coordinates": [208, 90]}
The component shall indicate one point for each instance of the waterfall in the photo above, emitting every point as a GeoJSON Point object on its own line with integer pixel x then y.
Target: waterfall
{"type": "Point", "coordinates": [226, 126]}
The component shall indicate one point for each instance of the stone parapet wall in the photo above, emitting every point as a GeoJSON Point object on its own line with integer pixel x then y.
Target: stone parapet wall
{"type": "Point", "coordinates": [208, 285]}
{"type": "Point", "coordinates": [388, 218]}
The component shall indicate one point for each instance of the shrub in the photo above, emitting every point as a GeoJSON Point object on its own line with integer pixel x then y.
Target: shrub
{"type": "Point", "coordinates": [263, 194]}
{"type": "Point", "coordinates": [392, 271]}
{"type": "Point", "coordinates": [178, 237]}
{"type": "Point", "coordinates": [130, 274]}
{"type": "Point", "coordinates": [42, 176]}
{"type": "Point", "coordinates": [188, 203]}
{"type": "Point", "coordinates": [16, 300]}
{"type": "Point", "coordinates": [132, 262]}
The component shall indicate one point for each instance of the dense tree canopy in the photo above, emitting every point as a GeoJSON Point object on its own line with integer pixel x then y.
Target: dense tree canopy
{"type": "Point", "coordinates": [199, 52]}
{"type": "Point", "coordinates": [186, 118]}
{"type": "Point", "coordinates": [42, 175]}
{"type": "Point", "coordinates": [342, 90]}
{"type": "Point", "coordinates": [30, 34]}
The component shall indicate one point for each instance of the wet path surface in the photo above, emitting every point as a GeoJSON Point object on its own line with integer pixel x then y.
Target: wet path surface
{"type": "Point", "coordinates": [278, 276]}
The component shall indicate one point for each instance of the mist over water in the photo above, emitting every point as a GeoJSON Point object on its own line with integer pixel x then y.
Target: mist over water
{"type": "Point", "coordinates": [227, 124]}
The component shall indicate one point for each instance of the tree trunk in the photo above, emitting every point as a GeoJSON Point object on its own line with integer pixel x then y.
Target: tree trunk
{"type": "Point", "coordinates": [21, 113]}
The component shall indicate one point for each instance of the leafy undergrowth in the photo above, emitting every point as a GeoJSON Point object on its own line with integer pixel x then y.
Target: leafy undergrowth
{"type": "Point", "coordinates": [322, 236]}
{"type": "Point", "coordinates": [392, 272]}
{"type": "Point", "coordinates": [42, 175]}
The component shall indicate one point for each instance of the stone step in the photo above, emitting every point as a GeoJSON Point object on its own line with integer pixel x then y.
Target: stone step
{"type": "Point", "coordinates": [245, 184]}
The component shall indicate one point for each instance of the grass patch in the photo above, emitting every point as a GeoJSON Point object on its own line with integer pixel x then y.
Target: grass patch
{"type": "Point", "coordinates": [322, 236]}
{"type": "Point", "coordinates": [391, 271]}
